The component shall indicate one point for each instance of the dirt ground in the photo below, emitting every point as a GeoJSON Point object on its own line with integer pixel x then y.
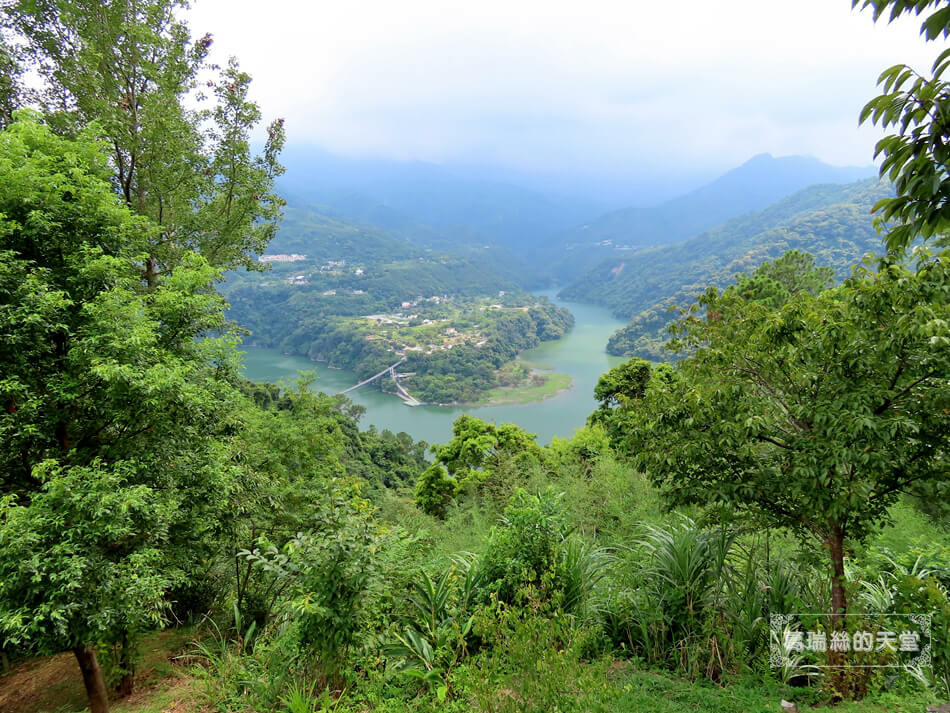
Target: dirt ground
{"type": "Point", "coordinates": [46, 684]}
{"type": "Point", "coordinates": [54, 685]}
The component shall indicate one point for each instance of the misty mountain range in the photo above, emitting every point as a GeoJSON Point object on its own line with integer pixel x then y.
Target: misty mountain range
{"type": "Point", "coordinates": [441, 208]}
{"type": "Point", "coordinates": [610, 256]}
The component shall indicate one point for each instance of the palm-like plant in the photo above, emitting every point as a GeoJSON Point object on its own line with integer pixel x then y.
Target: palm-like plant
{"type": "Point", "coordinates": [686, 566]}
{"type": "Point", "coordinates": [791, 664]}
{"type": "Point", "coordinates": [583, 569]}
{"type": "Point", "coordinates": [430, 600]}
{"type": "Point", "coordinates": [434, 636]}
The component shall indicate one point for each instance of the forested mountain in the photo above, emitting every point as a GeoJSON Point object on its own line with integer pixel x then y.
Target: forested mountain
{"type": "Point", "coordinates": [378, 221]}
{"type": "Point", "coordinates": [754, 185]}
{"type": "Point", "coordinates": [522, 233]}
{"type": "Point", "coordinates": [308, 230]}
{"type": "Point", "coordinates": [832, 222]}
{"type": "Point", "coordinates": [386, 193]}
{"type": "Point", "coordinates": [360, 299]}
{"type": "Point", "coordinates": [761, 525]}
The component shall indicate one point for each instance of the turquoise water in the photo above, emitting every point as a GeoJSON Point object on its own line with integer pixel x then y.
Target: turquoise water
{"type": "Point", "coordinates": [580, 353]}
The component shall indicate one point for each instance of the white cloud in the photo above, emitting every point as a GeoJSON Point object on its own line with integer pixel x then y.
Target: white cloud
{"type": "Point", "coordinates": [553, 86]}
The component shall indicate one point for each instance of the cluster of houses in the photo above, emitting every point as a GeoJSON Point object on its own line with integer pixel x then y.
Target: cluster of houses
{"type": "Point", "coordinates": [281, 258]}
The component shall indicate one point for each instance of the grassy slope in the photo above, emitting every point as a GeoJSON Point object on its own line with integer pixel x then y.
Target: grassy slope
{"type": "Point", "coordinates": [40, 686]}
{"type": "Point", "coordinates": [607, 505]}
{"type": "Point", "coordinates": [526, 393]}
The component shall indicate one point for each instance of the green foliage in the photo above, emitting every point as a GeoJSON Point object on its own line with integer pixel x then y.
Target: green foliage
{"type": "Point", "coordinates": [914, 582]}
{"type": "Point", "coordinates": [816, 414]}
{"type": "Point", "coordinates": [617, 389]}
{"type": "Point", "coordinates": [915, 157]}
{"type": "Point", "coordinates": [140, 476]}
{"type": "Point", "coordinates": [829, 221]}
{"type": "Point", "coordinates": [622, 383]}
{"type": "Point", "coordinates": [10, 82]}
{"type": "Point", "coordinates": [112, 396]}
{"type": "Point", "coordinates": [774, 283]}
{"type": "Point", "coordinates": [69, 573]}
{"type": "Point", "coordinates": [535, 665]}
{"type": "Point", "coordinates": [434, 637]}
{"type": "Point", "coordinates": [435, 490]}
{"type": "Point", "coordinates": [620, 392]}
{"type": "Point", "coordinates": [586, 447]}
{"type": "Point", "coordinates": [524, 550]}
{"type": "Point", "coordinates": [236, 675]}
{"type": "Point", "coordinates": [530, 556]}
{"type": "Point", "coordinates": [686, 564]}
{"type": "Point", "coordinates": [132, 69]}
{"type": "Point", "coordinates": [480, 458]}
{"type": "Point", "coordinates": [325, 573]}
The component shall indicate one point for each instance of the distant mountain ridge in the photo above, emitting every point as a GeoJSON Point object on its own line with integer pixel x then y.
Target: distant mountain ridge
{"type": "Point", "coordinates": [832, 222]}
{"type": "Point", "coordinates": [759, 182]}
{"type": "Point", "coordinates": [521, 234]}
{"type": "Point", "coordinates": [394, 194]}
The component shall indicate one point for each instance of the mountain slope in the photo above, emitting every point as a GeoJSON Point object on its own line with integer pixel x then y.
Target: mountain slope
{"type": "Point", "coordinates": [343, 270]}
{"type": "Point", "coordinates": [831, 222]}
{"type": "Point", "coordinates": [359, 211]}
{"type": "Point", "coordinates": [752, 186]}
{"type": "Point", "coordinates": [389, 192]}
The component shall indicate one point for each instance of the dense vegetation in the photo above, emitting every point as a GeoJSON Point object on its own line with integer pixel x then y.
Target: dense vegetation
{"type": "Point", "coordinates": [753, 186]}
{"type": "Point", "coordinates": [831, 222]}
{"type": "Point", "coordinates": [316, 306]}
{"type": "Point", "coordinates": [454, 347]}
{"type": "Point", "coordinates": [788, 474]}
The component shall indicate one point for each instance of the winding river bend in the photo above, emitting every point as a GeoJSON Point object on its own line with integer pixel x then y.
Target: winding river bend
{"type": "Point", "coordinates": [580, 354]}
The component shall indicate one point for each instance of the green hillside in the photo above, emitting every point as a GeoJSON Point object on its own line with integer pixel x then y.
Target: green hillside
{"type": "Point", "coordinates": [832, 222]}
{"type": "Point", "coordinates": [361, 299]}
{"type": "Point", "coordinates": [757, 183]}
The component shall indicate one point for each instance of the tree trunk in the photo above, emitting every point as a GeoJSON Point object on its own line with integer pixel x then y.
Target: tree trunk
{"type": "Point", "coordinates": [92, 678]}
{"type": "Point", "coordinates": [151, 272]}
{"type": "Point", "coordinates": [126, 685]}
{"type": "Point", "coordinates": [838, 677]}
{"type": "Point", "coordinates": [127, 666]}
{"type": "Point", "coordinates": [839, 602]}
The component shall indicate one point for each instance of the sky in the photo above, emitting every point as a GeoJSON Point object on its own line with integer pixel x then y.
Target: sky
{"type": "Point", "coordinates": [594, 88]}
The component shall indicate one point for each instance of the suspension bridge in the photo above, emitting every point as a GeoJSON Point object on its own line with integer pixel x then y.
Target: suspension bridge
{"type": "Point", "coordinates": [400, 389]}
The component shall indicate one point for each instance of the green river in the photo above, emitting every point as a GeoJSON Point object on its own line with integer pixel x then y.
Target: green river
{"type": "Point", "coordinates": [580, 354]}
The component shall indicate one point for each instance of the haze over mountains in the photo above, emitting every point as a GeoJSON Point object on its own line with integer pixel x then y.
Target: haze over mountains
{"type": "Point", "coordinates": [411, 224]}
{"type": "Point", "coordinates": [397, 195]}
{"type": "Point", "coordinates": [561, 237]}
{"type": "Point", "coordinates": [761, 180]}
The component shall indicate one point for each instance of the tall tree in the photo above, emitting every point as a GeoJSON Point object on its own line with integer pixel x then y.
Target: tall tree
{"type": "Point", "coordinates": [111, 398]}
{"type": "Point", "coordinates": [816, 414]}
{"type": "Point", "coordinates": [178, 126]}
{"type": "Point", "coordinates": [10, 88]}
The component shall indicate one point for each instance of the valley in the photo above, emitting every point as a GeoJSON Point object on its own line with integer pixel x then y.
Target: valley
{"type": "Point", "coordinates": [352, 295]}
{"type": "Point", "coordinates": [579, 356]}
{"type": "Point", "coordinates": [489, 375]}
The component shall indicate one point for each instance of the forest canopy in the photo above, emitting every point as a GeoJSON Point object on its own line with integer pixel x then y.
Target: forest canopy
{"type": "Point", "coordinates": [786, 475]}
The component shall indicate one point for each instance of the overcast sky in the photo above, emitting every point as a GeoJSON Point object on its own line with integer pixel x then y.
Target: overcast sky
{"type": "Point", "coordinates": [584, 87]}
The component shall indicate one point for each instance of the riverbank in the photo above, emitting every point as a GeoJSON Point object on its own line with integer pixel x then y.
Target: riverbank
{"type": "Point", "coordinates": [538, 387]}
{"type": "Point", "coordinates": [579, 354]}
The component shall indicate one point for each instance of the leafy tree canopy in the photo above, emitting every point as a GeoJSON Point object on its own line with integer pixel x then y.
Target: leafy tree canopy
{"type": "Point", "coordinates": [112, 396]}
{"type": "Point", "coordinates": [917, 108]}
{"type": "Point", "coordinates": [816, 414]}
{"type": "Point", "coordinates": [477, 454]}
{"type": "Point", "coordinates": [178, 138]}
